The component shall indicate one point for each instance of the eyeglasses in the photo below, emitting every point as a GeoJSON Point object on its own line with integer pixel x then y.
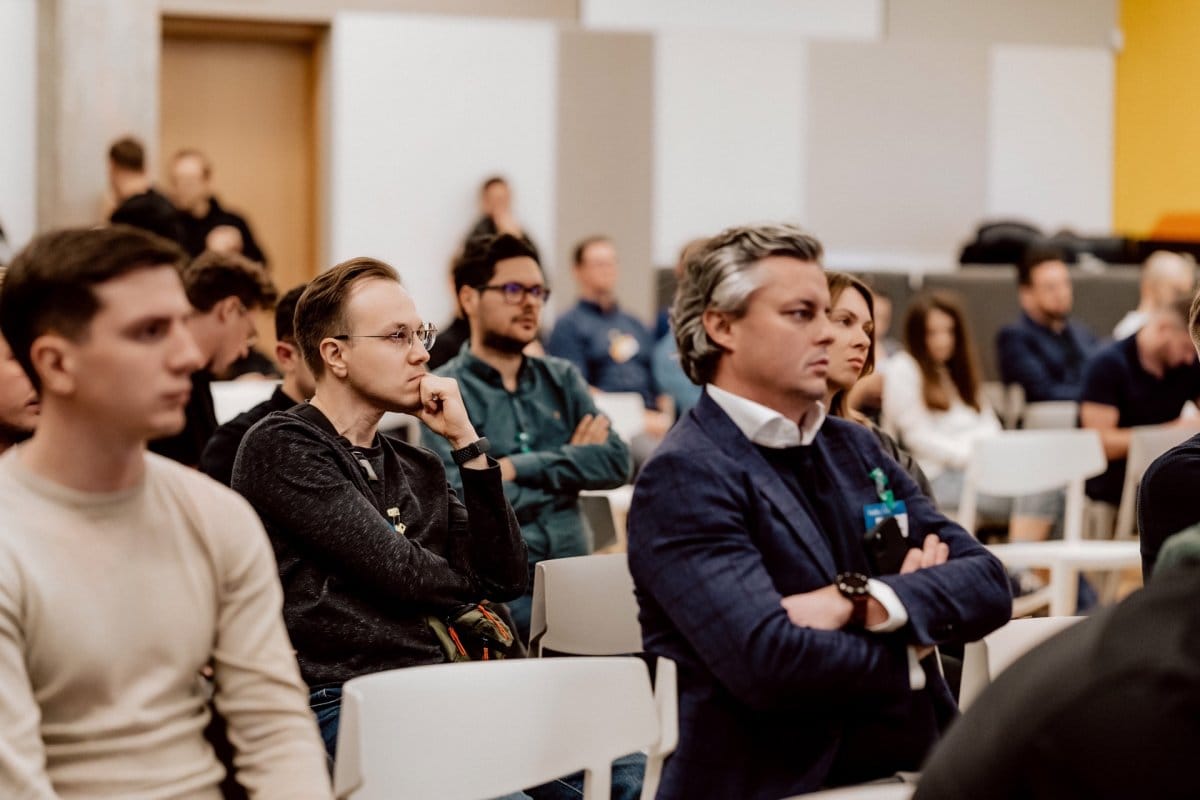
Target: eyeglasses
{"type": "Point", "coordinates": [515, 293]}
{"type": "Point", "coordinates": [426, 335]}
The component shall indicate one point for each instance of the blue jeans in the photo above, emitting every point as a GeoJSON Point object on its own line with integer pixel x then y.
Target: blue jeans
{"type": "Point", "coordinates": [627, 771]}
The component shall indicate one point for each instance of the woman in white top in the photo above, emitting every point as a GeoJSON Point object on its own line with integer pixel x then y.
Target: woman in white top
{"type": "Point", "coordinates": [933, 402]}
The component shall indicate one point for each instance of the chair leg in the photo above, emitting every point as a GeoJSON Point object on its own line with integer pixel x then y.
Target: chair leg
{"type": "Point", "coordinates": [597, 783]}
{"type": "Point", "coordinates": [1064, 589]}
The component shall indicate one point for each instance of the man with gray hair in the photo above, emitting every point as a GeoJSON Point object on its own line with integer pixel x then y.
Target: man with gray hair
{"type": "Point", "coordinates": [801, 644]}
{"type": "Point", "coordinates": [1166, 278]}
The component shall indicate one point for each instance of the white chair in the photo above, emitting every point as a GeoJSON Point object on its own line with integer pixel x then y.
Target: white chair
{"type": "Point", "coordinates": [626, 411]}
{"type": "Point", "coordinates": [1017, 463]}
{"type": "Point", "coordinates": [987, 658]}
{"type": "Point", "coordinates": [231, 398]}
{"type": "Point", "coordinates": [1007, 400]}
{"type": "Point", "coordinates": [584, 606]}
{"type": "Point", "coordinates": [480, 730]}
{"type": "Point", "coordinates": [1050, 415]}
{"type": "Point", "coordinates": [866, 791]}
{"type": "Point", "coordinates": [1146, 443]}
{"type": "Point", "coordinates": [604, 513]}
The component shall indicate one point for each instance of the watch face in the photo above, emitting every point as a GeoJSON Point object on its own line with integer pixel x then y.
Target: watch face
{"type": "Point", "coordinates": [852, 583]}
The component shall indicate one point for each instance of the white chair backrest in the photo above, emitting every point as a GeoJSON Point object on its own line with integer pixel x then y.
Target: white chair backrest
{"type": "Point", "coordinates": [1146, 443]}
{"type": "Point", "coordinates": [987, 658]}
{"type": "Point", "coordinates": [1050, 414]}
{"type": "Point", "coordinates": [1016, 463]}
{"type": "Point", "coordinates": [867, 791]}
{"type": "Point", "coordinates": [625, 410]}
{"type": "Point", "coordinates": [484, 729]}
{"type": "Point", "coordinates": [584, 606]}
{"type": "Point", "coordinates": [231, 398]}
{"type": "Point", "coordinates": [1006, 399]}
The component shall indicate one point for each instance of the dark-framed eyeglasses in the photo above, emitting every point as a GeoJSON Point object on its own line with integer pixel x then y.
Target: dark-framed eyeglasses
{"type": "Point", "coordinates": [426, 335]}
{"type": "Point", "coordinates": [515, 293]}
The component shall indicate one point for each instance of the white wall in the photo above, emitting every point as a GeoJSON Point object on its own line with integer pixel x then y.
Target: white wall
{"type": "Point", "coordinates": [728, 134]}
{"type": "Point", "coordinates": [1050, 154]}
{"type": "Point", "coordinates": [422, 110]}
{"type": "Point", "coordinates": [18, 132]}
{"type": "Point", "coordinates": [838, 19]}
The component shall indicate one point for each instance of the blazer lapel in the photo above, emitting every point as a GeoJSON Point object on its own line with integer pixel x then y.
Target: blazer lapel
{"type": "Point", "coordinates": [729, 438]}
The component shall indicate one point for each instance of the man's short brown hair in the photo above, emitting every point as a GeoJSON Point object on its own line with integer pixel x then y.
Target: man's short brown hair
{"type": "Point", "coordinates": [321, 312]}
{"type": "Point", "coordinates": [128, 153]}
{"type": "Point", "coordinates": [214, 276]}
{"type": "Point", "coordinates": [50, 285]}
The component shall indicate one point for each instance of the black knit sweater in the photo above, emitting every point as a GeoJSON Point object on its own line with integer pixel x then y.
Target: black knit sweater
{"type": "Point", "coordinates": [356, 591]}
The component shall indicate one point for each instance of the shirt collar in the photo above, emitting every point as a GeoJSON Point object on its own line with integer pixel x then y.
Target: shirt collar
{"type": "Point", "coordinates": [485, 370]}
{"type": "Point", "coordinates": [766, 426]}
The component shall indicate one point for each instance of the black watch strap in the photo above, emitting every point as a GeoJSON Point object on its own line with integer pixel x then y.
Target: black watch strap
{"type": "Point", "coordinates": [476, 448]}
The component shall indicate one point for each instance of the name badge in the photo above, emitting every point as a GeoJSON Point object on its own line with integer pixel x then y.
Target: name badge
{"type": "Point", "coordinates": [876, 513]}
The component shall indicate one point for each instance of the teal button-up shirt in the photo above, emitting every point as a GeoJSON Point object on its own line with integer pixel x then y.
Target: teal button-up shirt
{"type": "Point", "coordinates": [532, 427]}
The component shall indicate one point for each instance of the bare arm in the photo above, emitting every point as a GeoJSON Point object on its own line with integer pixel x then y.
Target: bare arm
{"type": "Point", "coordinates": [1104, 418]}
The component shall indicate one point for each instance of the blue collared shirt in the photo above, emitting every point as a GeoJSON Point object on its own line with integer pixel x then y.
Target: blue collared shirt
{"type": "Point", "coordinates": [1048, 364]}
{"type": "Point", "coordinates": [611, 348]}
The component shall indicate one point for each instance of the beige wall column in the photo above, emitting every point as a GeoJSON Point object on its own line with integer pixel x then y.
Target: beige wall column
{"type": "Point", "coordinates": [97, 80]}
{"type": "Point", "coordinates": [606, 158]}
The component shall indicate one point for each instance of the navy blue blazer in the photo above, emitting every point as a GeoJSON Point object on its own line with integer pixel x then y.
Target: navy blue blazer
{"type": "Point", "coordinates": [716, 539]}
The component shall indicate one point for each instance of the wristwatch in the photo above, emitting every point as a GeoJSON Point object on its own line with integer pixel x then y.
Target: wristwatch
{"type": "Point", "coordinates": [475, 448]}
{"type": "Point", "coordinates": [853, 586]}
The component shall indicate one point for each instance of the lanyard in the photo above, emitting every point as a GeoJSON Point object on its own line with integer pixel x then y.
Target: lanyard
{"type": "Point", "coordinates": [881, 487]}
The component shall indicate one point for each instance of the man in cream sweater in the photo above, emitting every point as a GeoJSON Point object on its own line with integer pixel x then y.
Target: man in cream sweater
{"type": "Point", "coordinates": [123, 575]}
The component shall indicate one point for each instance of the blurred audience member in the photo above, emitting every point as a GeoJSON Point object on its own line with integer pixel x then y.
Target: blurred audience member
{"type": "Point", "coordinates": [225, 291]}
{"type": "Point", "coordinates": [933, 401]}
{"type": "Point", "coordinates": [377, 555]}
{"type": "Point", "coordinates": [1166, 277]}
{"type": "Point", "coordinates": [224, 239]}
{"type": "Point", "coordinates": [125, 576]}
{"type": "Point", "coordinates": [611, 348]}
{"type": "Point", "coordinates": [1144, 379]}
{"type": "Point", "coordinates": [1044, 350]}
{"type": "Point", "coordinates": [852, 357]}
{"type": "Point", "coordinates": [496, 214]}
{"type": "Point", "coordinates": [138, 203]}
{"type": "Point", "coordinates": [297, 386]}
{"type": "Point", "coordinates": [199, 211]}
{"type": "Point", "coordinates": [1109, 709]}
{"type": "Point", "coordinates": [664, 361]}
{"type": "Point", "coordinates": [803, 662]}
{"type": "Point", "coordinates": [1166, 495]}
{"type": "Point", "coordinates": [542, 424]}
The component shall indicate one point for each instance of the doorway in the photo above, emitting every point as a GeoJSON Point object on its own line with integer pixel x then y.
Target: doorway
{"type": "Point", "coordinates": [246, 95]}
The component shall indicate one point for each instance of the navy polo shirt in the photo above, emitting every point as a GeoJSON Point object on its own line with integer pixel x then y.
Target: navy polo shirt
{"type": "Point", "coordinates": [1047, 364]}
{"type": "Point", "coordinates": [611, 348]}
{"type": "Point", "coordinates": [1115, 377]}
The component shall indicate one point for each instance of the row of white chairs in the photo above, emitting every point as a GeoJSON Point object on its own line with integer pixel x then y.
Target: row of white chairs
{"type": "Point", "coordinates": [411, 732]}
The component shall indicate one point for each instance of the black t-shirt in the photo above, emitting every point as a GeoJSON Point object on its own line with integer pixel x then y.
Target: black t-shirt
{"type": "Point", "coordinates": [200, 423]}
{"type": "Point", "coordinates": [150, 211]}
{"type": "Point", "coordinates": [1167, 499]}
{"type": "Point", "coordinates": [1115, 377]}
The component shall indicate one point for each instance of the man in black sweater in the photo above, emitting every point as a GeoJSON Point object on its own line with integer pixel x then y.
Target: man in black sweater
{"type": "Point", "coordinates": [217, 459]}
{"type": "Point", "coordinates": [369, 538]}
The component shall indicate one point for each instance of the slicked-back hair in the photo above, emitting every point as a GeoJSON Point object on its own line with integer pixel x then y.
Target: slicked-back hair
{"type": "Point", "coordinates": [477, 264]}
{"type": "Point", "coordinates": [285, 314]}
{"type": "Point", "coordinates": [128, 153]}
{"type": "Point", "coordinates": [321, 311]}
{"type": "Point", "coordinates": [214, 276]}
{"type": "Point", "coordinates": [581, 248]}
{"type": "Point", "coordinates": [722, 275]}
{"type": "Point", "coordinates": [963, 369]}
{"type": "Point", "coordinates": [1036, 255]}
{"type": "Point", "coordinates": [839, 282]}
{"type": "Point", "coordinates": [50, 286]}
